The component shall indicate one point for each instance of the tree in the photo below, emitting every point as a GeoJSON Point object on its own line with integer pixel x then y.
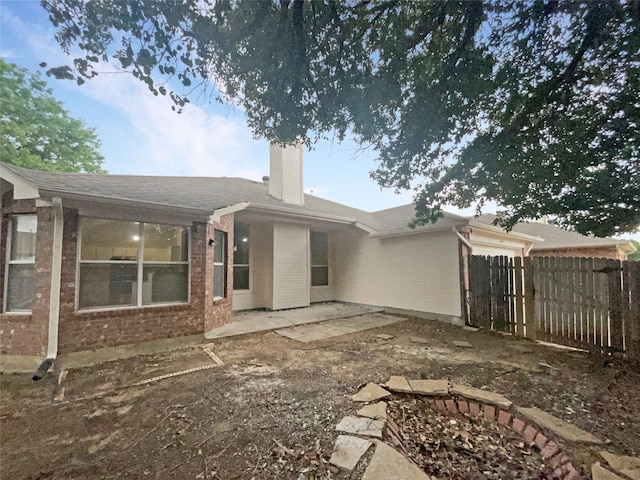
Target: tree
{"type": "Point", "coordinates": [533, 104]}
{"type": "Point", "coordinates": [635, 255]}
{"type": "Point", "coordinates": [37, 132]}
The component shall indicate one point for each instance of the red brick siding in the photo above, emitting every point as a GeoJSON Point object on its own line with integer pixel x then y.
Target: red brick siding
{"type": "Point", "coordinates": [22, 334]}
{"type": "Point", "coordinates": [594, 252]}
{"type": "Point", "coordinates": [89, 330]}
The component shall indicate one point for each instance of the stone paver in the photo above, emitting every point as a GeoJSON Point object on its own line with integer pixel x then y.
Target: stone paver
{"type": "Point", "coordinates": [398, 384]}
{"type": "Point", "coordinates": [629, 466]}
{"type": "Point", "coordinates": [520, 348]}
{"type": "Point", "coordinates": [384, 336]}
{"type": "Point", "coordinates": [463, 344]}
{"type": "Point", "coordinates": [565, 430]}
{"type": "Point", "coordinates": [375, 410]}
{"type": "Point", "coordinates": [482, 395]}
{"type": "Point", "coordinates": [361, 426]}
{"type": "Point", "coordinates": [469, 328]}
{"type": "Point", "coordinates": [430, 387]}
{"type": "Point", "coordinates": [598, 472]}
{"type": "Point", "coordinates": [419, 340]}
{"type": "Point", "coordinates": [370, 392]}
{"type": "Point", "coordinates": [387, 464]}
{"type": "Point", "coordinates": [348, 450]}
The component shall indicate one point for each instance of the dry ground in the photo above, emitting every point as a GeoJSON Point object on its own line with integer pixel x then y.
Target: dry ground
{"type": "Point", "coordinates": [225, 422]}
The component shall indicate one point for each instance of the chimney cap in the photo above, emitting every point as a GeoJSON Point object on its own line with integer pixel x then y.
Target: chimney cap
{"type": "Point", "coordinates": [265, 179]}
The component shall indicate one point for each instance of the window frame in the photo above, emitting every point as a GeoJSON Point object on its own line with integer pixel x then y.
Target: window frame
{"type": "Point", "coordinates": [312, 265]}
{"type": "Point", "coordinates": [139, 262]}
{"type": "Point", "coordinates": [223, 238]}
{"type": "Point", "coordinates": [9, 262]}
{"type": "Point", "coordinates": [248, 265]}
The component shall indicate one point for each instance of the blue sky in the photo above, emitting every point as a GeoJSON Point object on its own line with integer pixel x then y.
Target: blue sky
{"type": "Point", "coordinates": [140, 133]}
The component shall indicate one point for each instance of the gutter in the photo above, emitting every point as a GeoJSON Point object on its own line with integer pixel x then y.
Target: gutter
{"type": "Point", "coordinates": [54, 294]}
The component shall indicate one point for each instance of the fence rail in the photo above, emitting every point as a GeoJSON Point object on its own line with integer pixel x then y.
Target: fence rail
{"type": "Point", "coordinates": [580, 302]}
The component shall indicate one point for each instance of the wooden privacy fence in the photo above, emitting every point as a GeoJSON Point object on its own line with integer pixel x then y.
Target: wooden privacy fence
{"type": "Point", "coordinates": [589, 303]}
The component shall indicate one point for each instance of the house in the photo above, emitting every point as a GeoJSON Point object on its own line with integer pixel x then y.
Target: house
{"type": "Point", "coordinates": [557, 242]}
{"type": "Point", "coordinates": [94, 261]}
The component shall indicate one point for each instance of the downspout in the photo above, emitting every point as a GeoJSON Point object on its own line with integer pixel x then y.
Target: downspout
{"type": "Point", "coordinates": [464, 276]}
{"type": "Point", "coordinates": [54, 295]}
{"type": "Point", "coordinates": [526, 253]}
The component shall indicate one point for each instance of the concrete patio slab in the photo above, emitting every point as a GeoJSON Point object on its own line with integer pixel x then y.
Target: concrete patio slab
{"type": "Point", "coordinates": [387, 463]}
{"type": "Point", "coordinates": [370, 392]}
{"type": "Point", "coordinates": [377, 411]}
{"type": "Point", "coordinates": [252, 321]}
{"type": "Point", "coordinates": [565, 430]}
{"type": "Point", "coordinates": [481, 395]}
{"type": "Point", "coordinates": [348, 450]}
{"type": "Point", "coordinates": [337, 327]}
{"type": "Point", "coordinates": [367, 427]}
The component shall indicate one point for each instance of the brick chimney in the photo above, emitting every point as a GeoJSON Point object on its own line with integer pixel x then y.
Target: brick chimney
{"type": "Point", "coordinates": [285, 174]}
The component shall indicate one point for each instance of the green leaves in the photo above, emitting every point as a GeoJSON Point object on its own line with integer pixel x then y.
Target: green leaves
{"type": "Point", "coordinates": [37, 132]}
{"type": "Point", "coordinates": [532, 104]}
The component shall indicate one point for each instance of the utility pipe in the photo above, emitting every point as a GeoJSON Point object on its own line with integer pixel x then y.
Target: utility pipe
{"type": "Point", "coordinates": [463, 240]}
{"type": "Point", "coordinates": [54, 295]}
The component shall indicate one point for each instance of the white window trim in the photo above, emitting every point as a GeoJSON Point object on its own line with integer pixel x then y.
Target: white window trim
{"type": "Point", "coordinates": [225, 237]}
{"type": "Point", "coordinates": [140, 262]}
{"type": "Point", "coordinates": [245, 290]}
{"type": "Point", "coordinates": [14, 262]}
{"type": "Point", "coordinates": [328, 285]}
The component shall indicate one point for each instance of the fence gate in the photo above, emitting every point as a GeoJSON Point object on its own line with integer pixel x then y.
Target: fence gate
{"type": "Point", "coordinates": [589, 303]}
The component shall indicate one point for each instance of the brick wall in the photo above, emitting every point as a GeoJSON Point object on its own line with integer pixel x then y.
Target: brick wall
{"type": "Point", "coordinates": [89, 330]}
{"type": "Point", "coordinates": [595, 252]}
{"type": "Point", "coordinates": [24, 334]}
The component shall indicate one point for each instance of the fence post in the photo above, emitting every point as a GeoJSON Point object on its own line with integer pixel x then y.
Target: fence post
{"type": "Point", "coordinates": [632, 319]}
{"type": "Point", "coordinates": [518, 300]}
{"type": "Point", "coordinates": [529, 294]}
{"type": "Point", "coordinates": [614, 272]}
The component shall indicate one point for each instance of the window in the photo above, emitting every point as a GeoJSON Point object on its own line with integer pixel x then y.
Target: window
{"type": "Point", "coordinates": [21, 259]}
{"type": "Point", "coordinates": [319, 259]}
{"type": "Point", "coordinates": [241, 257]}
{"type": "Point", "coordinates": [115, 254]}
{"type": "Point", "coordinates": [220, 264]}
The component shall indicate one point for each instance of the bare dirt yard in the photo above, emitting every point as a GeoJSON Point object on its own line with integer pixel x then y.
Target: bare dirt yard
{"type": "Point", "coordinates": [270, 411]}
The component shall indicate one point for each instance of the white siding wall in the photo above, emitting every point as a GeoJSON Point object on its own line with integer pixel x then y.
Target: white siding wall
{"type": "Point", "coordinates": [290, 266]}
{"type": "Point", "coordinates": [285, 174]}
{"type": "Point", "coordinates": [260, 270]}
{"type": "Point", "coordinates": [414, 272]}
{"type": "Point", "coordinates": [486, 244]}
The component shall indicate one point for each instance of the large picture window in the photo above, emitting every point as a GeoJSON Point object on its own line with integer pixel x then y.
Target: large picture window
{"type": "Point", "coordinates": [241, 257]}
{"type": "Point", "coordinates": [319, 259]}
{"type": "Point", "coordinates": [220, 264]}
{"type": "Point", "coordinates": [21, 258]}
{"type": "Point", "coordinates": [115, 254]}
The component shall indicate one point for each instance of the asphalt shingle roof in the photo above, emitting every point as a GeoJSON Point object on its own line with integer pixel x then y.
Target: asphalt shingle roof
{"type": "Point", "coordinates": [554, 237]}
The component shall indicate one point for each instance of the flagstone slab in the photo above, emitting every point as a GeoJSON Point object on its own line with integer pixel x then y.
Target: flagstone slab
{"type": "Point", "coordinates": [481, 395]}
{"type": "Point", "coordinates": [387, 464]}
{"type": "Point", "coordinates": [629, 466]}
{"type": "Point", "coordinates": [419, 340]}
{"type": "Point", "coordinates": [361, 426]}
{"type": "Point", "coordinates": [384, 336]}
{"type": "Point", "coordinates": [398, 384]}
{"type": "Point", "coordinates": [565, 430]}
{"type": "Point", "coordinates": [463, 344]}
{"type": "Point", "coordinates": [370, 392]}
{"type": "Point", "coordinates": [469, 328]}
{"type": "Point", "coordinates": [377, 411]}
{"type": "Point", "coordinates": [348, 450]}
{"type": "Point", "coordinates": [430, 387]}
{"type": "Point", "coordinates": [598, 472]}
